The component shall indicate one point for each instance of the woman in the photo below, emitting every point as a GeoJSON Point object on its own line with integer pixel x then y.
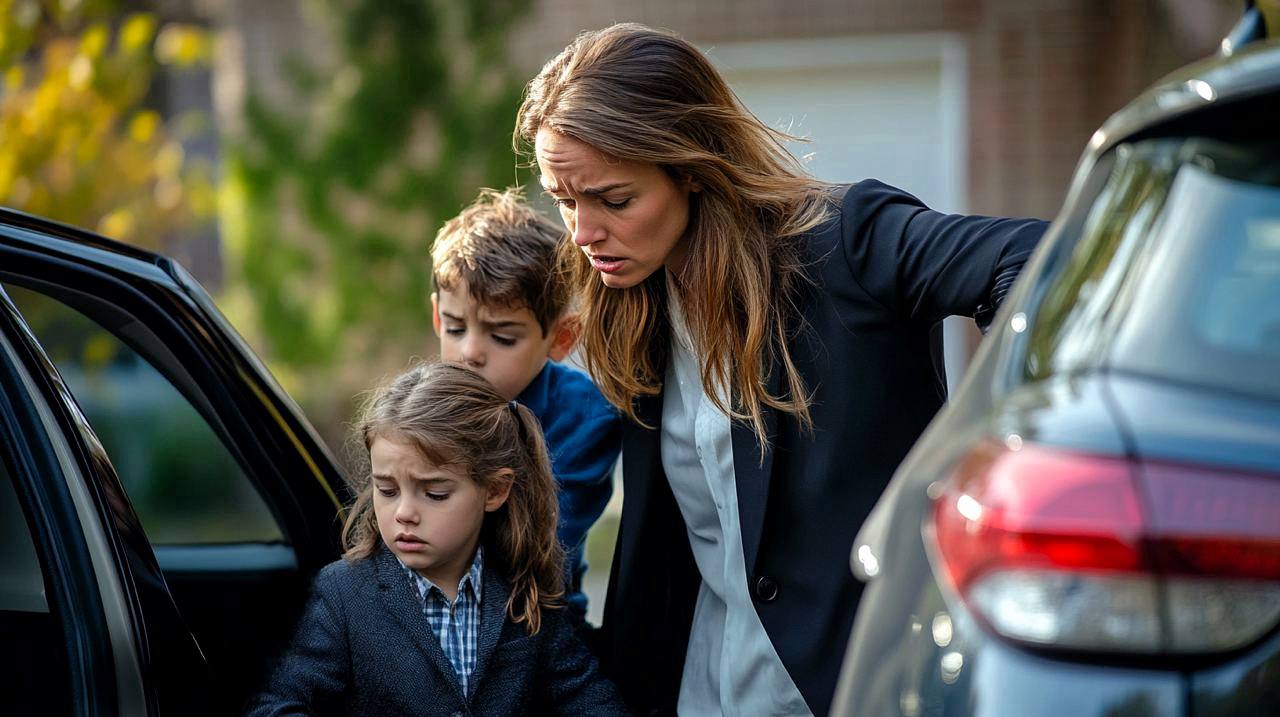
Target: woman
{"type": "Point", "coordinates": [774, 341]}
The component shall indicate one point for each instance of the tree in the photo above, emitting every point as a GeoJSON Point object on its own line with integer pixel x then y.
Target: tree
{"type": "Point", "coordinates": [330, 203]}
{"type": "Point", "coordinates": [77, 140]}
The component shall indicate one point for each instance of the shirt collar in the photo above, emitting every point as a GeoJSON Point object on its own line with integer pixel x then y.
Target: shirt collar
{"type": "Point", "coordinates": [675, 311]}
{"type": "Point", "coordinates": [472, 578]}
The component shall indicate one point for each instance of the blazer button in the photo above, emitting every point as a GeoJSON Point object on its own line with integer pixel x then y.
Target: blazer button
{"type": "Point", "coordinates": [766, 589]}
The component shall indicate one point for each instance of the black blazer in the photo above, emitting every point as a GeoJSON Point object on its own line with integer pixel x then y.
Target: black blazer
{"type": "Point", "coordinates": [363, 647]}
{"type": "Point", "coordinates": [886, 270]}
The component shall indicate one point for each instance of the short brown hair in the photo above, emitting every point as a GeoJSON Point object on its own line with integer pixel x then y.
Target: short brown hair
{"type": "Point", "coordinates": [506, 253]}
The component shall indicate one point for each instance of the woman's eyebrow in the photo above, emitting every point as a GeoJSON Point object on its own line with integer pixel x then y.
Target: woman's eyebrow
{"type": "Point", "coordinates": [552, 188]}
{"type": "Point", "coordinates": [592, 191]}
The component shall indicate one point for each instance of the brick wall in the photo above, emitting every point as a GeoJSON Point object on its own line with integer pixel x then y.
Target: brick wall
{"type": "Point", "coordinates": [1043, 74]}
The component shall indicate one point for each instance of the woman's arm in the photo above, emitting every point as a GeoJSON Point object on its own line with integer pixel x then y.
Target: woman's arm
{"type": "Point", "coordinates": [925, 265]}
{"type": "Point", "coordinates": [314, 673]}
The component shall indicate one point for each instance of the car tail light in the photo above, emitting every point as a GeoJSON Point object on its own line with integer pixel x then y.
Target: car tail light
{"type": "Point", "coordinates": [1103, 553]}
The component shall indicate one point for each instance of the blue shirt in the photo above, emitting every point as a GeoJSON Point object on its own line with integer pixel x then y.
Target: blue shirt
{"type": "Point", "coordinates": [455, 624]}
{"type": "Point", "coordinates": [584, 437]}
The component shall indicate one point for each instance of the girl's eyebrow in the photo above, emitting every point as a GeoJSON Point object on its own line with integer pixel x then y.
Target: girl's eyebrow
{"type": "Point", "coordinates": [418, 479]}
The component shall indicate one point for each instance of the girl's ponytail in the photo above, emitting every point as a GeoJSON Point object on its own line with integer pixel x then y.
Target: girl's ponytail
{"type": "Point", "coordinates": [535, 563]}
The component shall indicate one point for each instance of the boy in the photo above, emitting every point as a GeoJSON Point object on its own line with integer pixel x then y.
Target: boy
{"type": "Point", "coordinates": [501, 307]}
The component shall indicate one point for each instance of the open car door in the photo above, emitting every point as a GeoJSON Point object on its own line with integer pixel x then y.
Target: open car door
{"type": "Point", "coordinates": [233, 499]}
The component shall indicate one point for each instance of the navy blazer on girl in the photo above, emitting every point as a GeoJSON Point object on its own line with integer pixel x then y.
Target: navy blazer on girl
{"type": "Point", "coordinates": [884, 271]}
{"type": "Point", "coordinates": [363, 647]}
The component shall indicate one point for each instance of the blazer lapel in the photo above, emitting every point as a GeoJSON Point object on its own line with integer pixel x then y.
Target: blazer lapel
{"type": "Point", "coordinates": [493, 615]}
{"type": "Point", "coordinates": [752, 473]}
{"type": "Point", "coordinates": [400, 597]}
{"type": "Point", "coordinates": [643, 447]}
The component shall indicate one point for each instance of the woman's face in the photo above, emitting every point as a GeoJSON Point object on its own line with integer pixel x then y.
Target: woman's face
{"type": "Point", "coordinates": [629, 218]}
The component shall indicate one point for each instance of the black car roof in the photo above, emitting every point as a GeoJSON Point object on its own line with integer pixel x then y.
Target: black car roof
{"type": "Point", "coordinates": [1249, 71]}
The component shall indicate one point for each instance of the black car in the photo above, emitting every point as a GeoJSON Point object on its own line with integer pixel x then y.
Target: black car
{"type": "Point", "coordinates": [163, 504]}
{"type": "Point", "coordinates": [1092, 526]}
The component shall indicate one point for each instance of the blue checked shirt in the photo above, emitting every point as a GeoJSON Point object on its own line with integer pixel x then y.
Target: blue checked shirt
{"type": "Point", "coordinates": [456, 625]}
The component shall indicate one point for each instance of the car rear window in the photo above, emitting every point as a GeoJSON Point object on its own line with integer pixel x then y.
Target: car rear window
{"type": "Point", "coordinates": [1207, 307]}
{"type": "Point", "coordinates": [1177, 270]}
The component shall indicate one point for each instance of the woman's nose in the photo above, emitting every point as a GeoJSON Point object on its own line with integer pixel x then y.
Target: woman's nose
{"type": "Point", "coordinates": [585, 229]}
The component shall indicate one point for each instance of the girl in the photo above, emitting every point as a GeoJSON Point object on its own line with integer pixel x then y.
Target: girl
{"type": "Point", "coordinates": [773, 339]}
{"type": "Point", "coordinates": [447, 599]}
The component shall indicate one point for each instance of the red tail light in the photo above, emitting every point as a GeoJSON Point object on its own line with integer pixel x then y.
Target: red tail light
{"type": "Point", "coordinates": [1101, 553]}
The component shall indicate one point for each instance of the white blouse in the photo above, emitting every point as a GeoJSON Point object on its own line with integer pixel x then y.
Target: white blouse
{"type": "Point", "coordinates": [731, 667]}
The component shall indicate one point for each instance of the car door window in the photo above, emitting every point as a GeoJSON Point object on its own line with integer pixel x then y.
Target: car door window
{"type": "Point", "coordinates": [186, 487]}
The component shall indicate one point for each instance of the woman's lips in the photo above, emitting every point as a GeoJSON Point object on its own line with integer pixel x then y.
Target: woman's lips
{"type": "Point", "coordinates": [607, 264]}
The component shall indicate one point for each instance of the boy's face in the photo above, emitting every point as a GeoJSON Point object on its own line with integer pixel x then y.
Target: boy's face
{"type": "Point", "coordinates": [505, 345]}
{"type": "Point", "coordinates": [429, 515]}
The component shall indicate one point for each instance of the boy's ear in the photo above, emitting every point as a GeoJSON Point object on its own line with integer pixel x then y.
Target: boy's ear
{"type": "Point", "coordinates": [435, 312]}
{"type": "Point", "coordinates": [498, 489]}
{"type": "Point", "coordinates": [564, 335]}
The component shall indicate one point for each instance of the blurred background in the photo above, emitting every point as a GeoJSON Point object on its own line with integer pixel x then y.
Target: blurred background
{"type": "Point", "coordinates": [298, 155]}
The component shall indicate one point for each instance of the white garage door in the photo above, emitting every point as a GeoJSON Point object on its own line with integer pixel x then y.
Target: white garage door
{"type": "Point", "coordinates": [891, 108]}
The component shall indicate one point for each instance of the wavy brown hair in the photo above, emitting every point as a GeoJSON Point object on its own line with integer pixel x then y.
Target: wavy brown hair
{"type": "Point", "coordinates": [457, 419]}
{"type": "Point", "coordinates": [635, 93]}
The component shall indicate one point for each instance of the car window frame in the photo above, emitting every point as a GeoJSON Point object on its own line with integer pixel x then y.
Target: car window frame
{"type": "Point", "coordinates": [214, 376]}
{"type": "Point", "coordinates": [141, 340]}
{"type": "Point", "coordinates": [1033, 289]}
{"type": "Point", "coordinates": [84, 587]}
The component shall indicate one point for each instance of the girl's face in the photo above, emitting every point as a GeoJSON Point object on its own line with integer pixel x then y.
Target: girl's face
{"type": "Point", "coordinates": [629, 218]}
{"type": "Point", "coordinates": [429, 515]}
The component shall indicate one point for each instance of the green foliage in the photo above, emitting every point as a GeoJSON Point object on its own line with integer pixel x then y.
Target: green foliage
{"type": "Point", "coordinates": [77, 142]}
{"type": "Point", "coordinates": [331, 200]}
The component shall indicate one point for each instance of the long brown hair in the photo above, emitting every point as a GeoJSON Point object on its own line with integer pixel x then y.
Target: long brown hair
{"type": "Point", "coordinates": [456, 418]}
{"type": "Point", "coordinates": [635, 93]}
